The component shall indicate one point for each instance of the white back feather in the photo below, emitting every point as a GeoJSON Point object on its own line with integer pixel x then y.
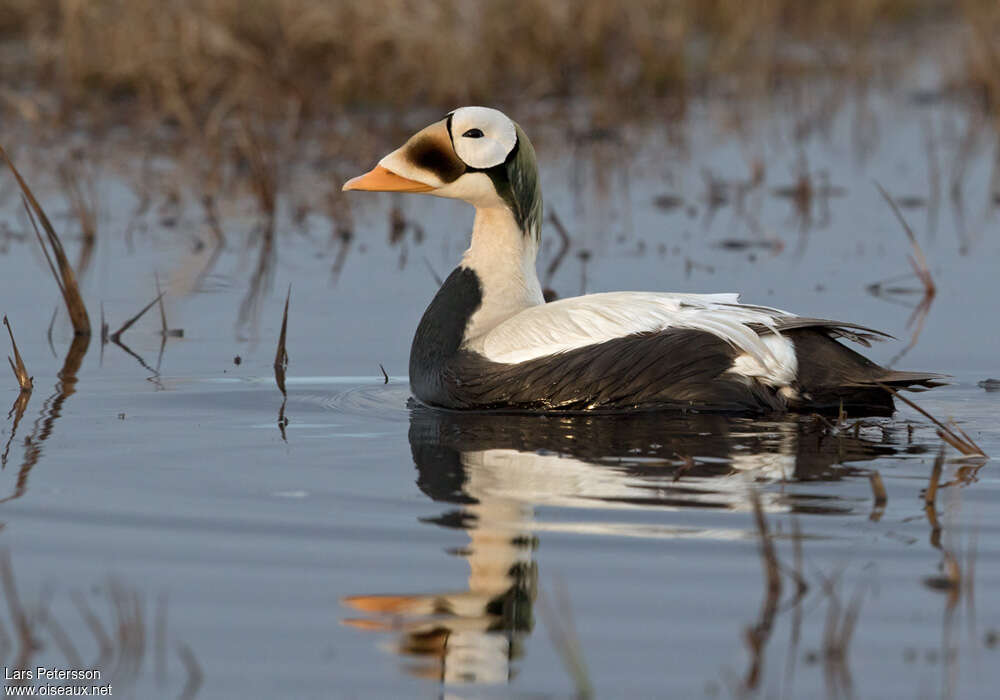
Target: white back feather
{"type": "Point", "coordinates": [569, 324]}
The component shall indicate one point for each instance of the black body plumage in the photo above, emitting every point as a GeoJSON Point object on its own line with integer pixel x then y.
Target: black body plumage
{"type": "Point", "coordinates": [671, 369]}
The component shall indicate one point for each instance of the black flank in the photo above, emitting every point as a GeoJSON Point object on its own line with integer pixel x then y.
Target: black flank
{"type": "Point", "coordinates": [677, 369]}
{"type": "Point", "coordinates": [440, 333]}
{"type": "Point", "coordinates": [673, 369]}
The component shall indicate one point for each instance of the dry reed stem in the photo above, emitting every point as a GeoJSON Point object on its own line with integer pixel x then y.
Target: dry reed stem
{"type": "Point", "coordinates": [281, 356]}
{"type": "Point", "coordinates": [116, 336]}
{"type": "Point", "coordinates": [281, 364]}
{"type": "Point", "coordinates": [66, 278]}
{"type": "Point", "coordinates": [17, 364]}
{"type": "Point", "coordinates": [104, 327]}
{"type": "Point", "coordinates": [163, 313]}
{"type": "Point", "coordinates": [384, 373]}
{"type": "Point", "coordinates": [917, 261]}
{"type": "Point", "coordinates": [961, 442]}
{"type": "Point", "coordinates": [165, 330]}
{"type": "Point", "coordinates": [85, 208]}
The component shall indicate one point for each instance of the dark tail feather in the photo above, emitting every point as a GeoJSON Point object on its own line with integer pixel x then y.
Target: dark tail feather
{"type": "Point", "coordinates": [913, 381]}
{"type": "Point", "coordinates": [831, 376]}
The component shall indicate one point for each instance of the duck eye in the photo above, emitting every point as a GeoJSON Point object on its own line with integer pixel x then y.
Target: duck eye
{"type": "Point", "coordinates": [473, 134]}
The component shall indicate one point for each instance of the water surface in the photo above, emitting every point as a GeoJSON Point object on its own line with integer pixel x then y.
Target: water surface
{"type": "Point", "coordinates": [371, 548]}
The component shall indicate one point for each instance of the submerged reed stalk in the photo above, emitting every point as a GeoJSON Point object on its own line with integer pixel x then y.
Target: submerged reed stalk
{"type": "Point", "coordinates": [65, 277]}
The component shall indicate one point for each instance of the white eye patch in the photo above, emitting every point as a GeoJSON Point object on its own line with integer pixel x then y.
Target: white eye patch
{"type": "Point", "coordinates": [483, 137]}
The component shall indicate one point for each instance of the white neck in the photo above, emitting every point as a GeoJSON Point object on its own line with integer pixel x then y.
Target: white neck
{"type": "Point", "coordinates": [503, 257]}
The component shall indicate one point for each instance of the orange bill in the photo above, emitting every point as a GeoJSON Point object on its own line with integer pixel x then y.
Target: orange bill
{"type": "Point", "coordinates": [381, 179]}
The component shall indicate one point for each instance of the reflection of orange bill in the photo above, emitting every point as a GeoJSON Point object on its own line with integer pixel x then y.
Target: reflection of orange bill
{"type": "Point", "coordinates": [362, 623]}
{"type": "Point", "coordinates": [380, 179]}
{"type": "Point", "coordinates": [394, 604]}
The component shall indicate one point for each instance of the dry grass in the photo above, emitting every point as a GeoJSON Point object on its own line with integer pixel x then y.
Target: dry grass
{"type": "Point", "coordinates": [199, 63]}
{"type": "Point", "coordinates": [239, 92]}
{"type": "Point", "coordinates": [979, 68]}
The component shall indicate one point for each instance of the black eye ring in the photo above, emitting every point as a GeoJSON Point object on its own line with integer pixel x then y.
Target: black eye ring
{"type": "Point", "coordinates": [473, 134]}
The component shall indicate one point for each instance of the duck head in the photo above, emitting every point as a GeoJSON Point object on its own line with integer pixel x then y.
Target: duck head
{"type": "Point", "coordinates": [475, 154]}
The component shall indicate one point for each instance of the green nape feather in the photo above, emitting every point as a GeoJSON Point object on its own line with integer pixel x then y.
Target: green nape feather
{"type": "Point", "coordinates": [525, 193]}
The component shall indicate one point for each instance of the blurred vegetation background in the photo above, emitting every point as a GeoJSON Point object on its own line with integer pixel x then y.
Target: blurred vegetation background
{"type": "Point", "coordinates": [200, 62]}
{"type": "Point", "coordinates": [258, 97]}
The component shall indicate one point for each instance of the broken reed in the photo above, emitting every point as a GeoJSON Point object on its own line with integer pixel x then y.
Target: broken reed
{"type": "Point", "coordinates": [951, 433]}
{"type": "Point", "coordinates": [65, 277]}
{"type": "Point", "coordinates": [117, 335]}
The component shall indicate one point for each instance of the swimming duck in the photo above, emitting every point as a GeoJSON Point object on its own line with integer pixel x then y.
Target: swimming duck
{"type": "Point", "coordinates": [489, 340]}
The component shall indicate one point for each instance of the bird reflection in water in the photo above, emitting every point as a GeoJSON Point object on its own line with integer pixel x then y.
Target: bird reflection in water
{"type": "Point", "coordinates": [497, 469]}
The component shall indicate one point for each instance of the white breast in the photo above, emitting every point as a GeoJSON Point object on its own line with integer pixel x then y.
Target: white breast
{"type": "Point", "coordinates": [569, 324]}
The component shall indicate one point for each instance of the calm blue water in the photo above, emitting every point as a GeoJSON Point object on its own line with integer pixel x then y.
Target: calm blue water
{"type": "Point", "coordinates": [375, 550]}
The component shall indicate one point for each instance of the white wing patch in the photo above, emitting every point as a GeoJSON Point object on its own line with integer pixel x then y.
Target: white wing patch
{"type": "Point", "coordinates": [569, 324]}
